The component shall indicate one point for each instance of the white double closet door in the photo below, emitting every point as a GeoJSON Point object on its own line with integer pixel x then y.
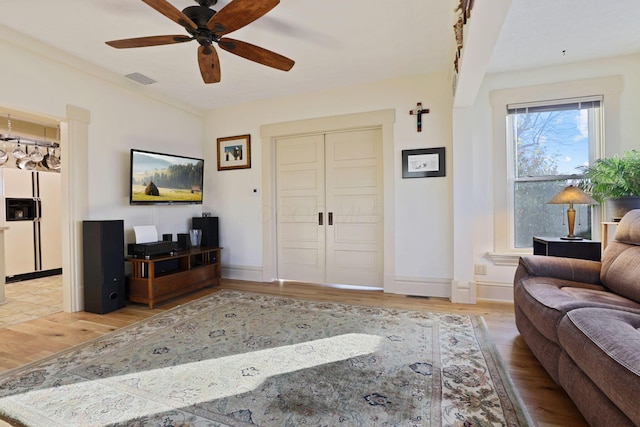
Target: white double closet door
{"type": "Point", "coordinates": [329, 191]}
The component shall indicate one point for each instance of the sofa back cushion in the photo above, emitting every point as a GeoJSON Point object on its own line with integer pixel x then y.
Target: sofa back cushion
{"type": "Point", "coordinates": [621, 259]}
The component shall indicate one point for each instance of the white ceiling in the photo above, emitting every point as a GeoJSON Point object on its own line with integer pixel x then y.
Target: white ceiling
{"type": "Point", "coordinates": [552, 32]}
{"type": "Point", "coordinates": [334, 42]}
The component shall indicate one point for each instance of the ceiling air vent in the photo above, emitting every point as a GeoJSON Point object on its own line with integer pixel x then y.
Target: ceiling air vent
{"type": "Point", "coordinates": [140, 78]}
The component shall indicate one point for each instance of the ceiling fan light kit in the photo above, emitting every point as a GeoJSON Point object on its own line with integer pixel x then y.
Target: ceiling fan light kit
{"type": "Point", "coordinates": [207, 27]}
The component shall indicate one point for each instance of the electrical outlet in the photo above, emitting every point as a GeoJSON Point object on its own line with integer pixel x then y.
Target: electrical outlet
{"type": "Point", "coordinates": [480, 269]}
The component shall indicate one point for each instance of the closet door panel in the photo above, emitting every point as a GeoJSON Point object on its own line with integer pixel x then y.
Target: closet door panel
{"type": "Point", "coordinates": [300, 201]}
{"type": "Point", "coordinates": [355, 204]}
{"type": "Point", "coordinates": [329, 208]}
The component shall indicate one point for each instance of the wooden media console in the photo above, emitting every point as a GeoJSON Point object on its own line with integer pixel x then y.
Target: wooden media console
{"type": "Point", "coordinates": [160, 278]}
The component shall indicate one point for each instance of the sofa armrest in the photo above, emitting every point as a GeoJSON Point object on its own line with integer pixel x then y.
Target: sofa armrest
{"type": "Point", "coordinates": [576, 270]}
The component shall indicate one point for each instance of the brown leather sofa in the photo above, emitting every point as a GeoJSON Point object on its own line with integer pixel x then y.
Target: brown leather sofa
{"type": "Point", "coordinates": [581, 319]}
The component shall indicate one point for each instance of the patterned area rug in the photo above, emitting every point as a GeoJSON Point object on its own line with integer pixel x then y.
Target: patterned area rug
{"type": "Point", "coordinates": [243, 359]}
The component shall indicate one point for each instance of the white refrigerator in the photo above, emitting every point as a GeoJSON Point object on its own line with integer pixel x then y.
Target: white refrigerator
{"type": "Point", "coordinates": [32, 206]}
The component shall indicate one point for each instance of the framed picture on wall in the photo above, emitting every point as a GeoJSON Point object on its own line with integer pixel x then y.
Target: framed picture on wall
{"type": "Point", "coordinates": [423, 163]}
{"type": "Point", "coordinates": [234, 152]}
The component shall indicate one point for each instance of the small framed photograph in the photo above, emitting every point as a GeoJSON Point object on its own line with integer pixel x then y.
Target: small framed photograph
{"type": "Point", "coordinates": [424, 162]}
{"type": "Point", "coordinates": [234, 152]}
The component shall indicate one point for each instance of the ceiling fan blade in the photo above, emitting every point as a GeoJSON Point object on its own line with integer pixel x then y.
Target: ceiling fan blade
{"type": "Point", "coordinates": [239, 13]}
{"type": "Point", "coordinates": [209, 64]}
{"type": "Point", "coordinates": [168, 10]}
{"type": "Point", "coordinates": [148, 41]}
{"type": "Point", "coordinates": [256, 54]}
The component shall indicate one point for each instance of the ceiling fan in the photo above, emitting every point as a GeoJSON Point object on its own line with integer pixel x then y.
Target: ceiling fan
{"type": "Point", "coordinates": [207, 27]}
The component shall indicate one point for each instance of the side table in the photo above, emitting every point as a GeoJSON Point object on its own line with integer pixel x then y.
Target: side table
{"type": "Point", "coordinates": [555, 246]}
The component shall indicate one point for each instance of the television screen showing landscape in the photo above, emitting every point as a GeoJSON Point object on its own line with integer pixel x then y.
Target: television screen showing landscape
{"type": "Point", "coordinates": [165, 178]}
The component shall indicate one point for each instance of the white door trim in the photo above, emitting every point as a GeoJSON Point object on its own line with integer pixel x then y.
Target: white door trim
{"type": "Point", "coordinates": [269, 133]}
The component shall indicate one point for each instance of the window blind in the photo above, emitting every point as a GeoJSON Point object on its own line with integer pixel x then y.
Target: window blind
{"type": "Point", "coordinates": [558, 105]}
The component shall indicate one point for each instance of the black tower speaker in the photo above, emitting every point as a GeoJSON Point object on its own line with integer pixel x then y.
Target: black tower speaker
{"type": "Point", "coordinates": [103, 252]}
{"type": "Point", "coordinates": [209, 227]}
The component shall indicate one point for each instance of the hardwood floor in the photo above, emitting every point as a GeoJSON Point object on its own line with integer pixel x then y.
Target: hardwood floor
{"type": "Point", "coordinates": [547, 403]}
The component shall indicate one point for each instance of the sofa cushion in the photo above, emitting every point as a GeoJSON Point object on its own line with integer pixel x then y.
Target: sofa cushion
{"type": "Point", "coordinates": [628, 230]}
{"type": "Point", "coordinates": [604, 344]}
{"type": "Point", "coordinates": [621, 270]}
{"type": "Point", "coordinates": [620, 266]}
{"type": "Point", "coordinates": [547, 352]}
{"type": "Point", "coordinates": [546, 300]}
{"type": "Point", "coordinates": [575, 270]}
{"type": "Point", "coordinates": [594, 405]}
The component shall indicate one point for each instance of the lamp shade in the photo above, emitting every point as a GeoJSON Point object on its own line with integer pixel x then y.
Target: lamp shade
{"type": "Point", "coordinates": [572, 195]}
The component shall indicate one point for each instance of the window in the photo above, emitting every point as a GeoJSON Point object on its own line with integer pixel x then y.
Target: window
{"type": "Point", "coordinates": [547, 144]}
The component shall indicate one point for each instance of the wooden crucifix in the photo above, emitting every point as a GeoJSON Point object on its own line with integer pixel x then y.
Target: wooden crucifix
{"type": "Point", "coordinates": [419, 111]}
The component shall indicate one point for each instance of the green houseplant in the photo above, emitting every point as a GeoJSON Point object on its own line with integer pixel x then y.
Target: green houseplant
{"type": "Point", "coordinates": [616, 181]}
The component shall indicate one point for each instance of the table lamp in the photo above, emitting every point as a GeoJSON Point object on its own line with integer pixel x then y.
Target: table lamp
{"type": "Point", "coordinates": [571, 195]}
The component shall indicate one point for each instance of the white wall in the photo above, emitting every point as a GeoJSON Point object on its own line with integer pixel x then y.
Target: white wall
{"type": "Point", "coordinates": [46, 82]}
{"type": "Point", "coordinates": [497, 283]}
{"type": "Point", "coordinates": [41, 81]}
{"type": "Point", "coordinates": [423, 230]}
{"type": "Point", "coordinates": [121, 119]}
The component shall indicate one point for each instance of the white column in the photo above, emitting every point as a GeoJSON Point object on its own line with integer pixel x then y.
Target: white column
{"type": "Point", "coordinates": [463, 286]}
{"type": "Point", "coordinates": [480, 39]}
{"type": "Point", "coordinates": [75, 203]}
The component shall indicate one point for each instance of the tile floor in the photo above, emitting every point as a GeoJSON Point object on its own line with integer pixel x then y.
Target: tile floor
{"type": "Point", "coordinates": [31, 299]}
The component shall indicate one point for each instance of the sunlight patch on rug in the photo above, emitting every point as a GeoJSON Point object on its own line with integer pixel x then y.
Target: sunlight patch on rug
{"type": "Point", "coordinates": [198, 382]}
{"type": "Point", "coordinates": [243, 359]}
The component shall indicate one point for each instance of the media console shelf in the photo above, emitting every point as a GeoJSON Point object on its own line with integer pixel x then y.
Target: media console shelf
{"type": "Point", "coordinates": [188, 270]}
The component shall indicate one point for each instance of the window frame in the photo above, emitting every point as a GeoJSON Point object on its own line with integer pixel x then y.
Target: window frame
{"type": "Point", "coordinates": [609, 87]}
{"type": "Point", "coordinates": [596, 119]}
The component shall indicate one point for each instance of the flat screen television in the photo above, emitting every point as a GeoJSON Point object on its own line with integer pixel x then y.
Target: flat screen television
{"type": "Point", "coordinates": [157, 178]}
